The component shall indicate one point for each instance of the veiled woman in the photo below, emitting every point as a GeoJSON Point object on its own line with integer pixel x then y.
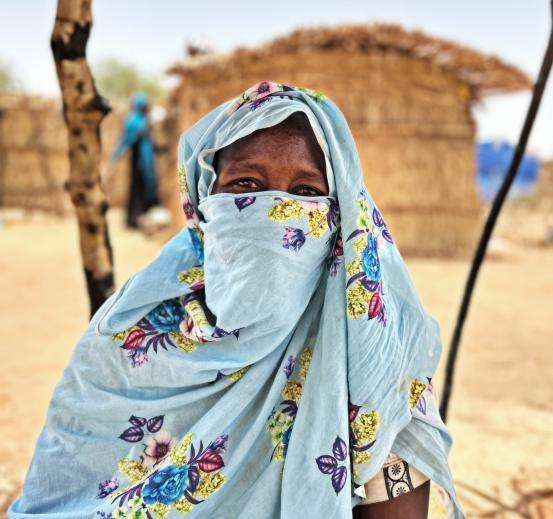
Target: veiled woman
{"type": "Point", "coordinates": [273, 362]}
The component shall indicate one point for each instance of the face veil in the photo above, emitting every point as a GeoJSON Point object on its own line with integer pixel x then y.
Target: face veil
{"type": "Point", "coordinates": [264, 366]}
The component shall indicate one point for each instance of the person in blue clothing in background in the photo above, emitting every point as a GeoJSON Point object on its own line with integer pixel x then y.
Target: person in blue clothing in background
{"type": "Point", "coordinates": [136, 137]}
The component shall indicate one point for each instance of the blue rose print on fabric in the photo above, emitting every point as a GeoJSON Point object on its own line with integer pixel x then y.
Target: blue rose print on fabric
{"type": "Point", "coordinates": [166, 486]}
{"type": "Point", "coordinates": [370, 261]}
{"type": "Point", "coordinates": [167, 316]}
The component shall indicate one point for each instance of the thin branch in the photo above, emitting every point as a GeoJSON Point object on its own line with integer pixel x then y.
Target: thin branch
{"type": "Point", "coordinates": [539, 88]}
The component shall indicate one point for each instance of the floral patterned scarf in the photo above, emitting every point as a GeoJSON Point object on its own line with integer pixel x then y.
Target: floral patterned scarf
{"type": "Point", "coordinates": [264, 366]}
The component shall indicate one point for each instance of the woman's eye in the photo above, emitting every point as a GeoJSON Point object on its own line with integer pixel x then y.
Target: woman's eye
{"type": "Point", "coordinates": [307, 191]}
{"type": "Point", "coordinates": [247, 184]}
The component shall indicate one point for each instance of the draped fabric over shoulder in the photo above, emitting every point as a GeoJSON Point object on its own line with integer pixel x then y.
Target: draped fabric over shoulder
{"type": "Point", "coordinates": [264, 366]}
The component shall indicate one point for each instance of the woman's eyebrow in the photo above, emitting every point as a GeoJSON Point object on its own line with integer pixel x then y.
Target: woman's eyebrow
{"type": "Point", "coordinates": [311, 174]}
{"type": "Point", "coordinates": [239, 166]}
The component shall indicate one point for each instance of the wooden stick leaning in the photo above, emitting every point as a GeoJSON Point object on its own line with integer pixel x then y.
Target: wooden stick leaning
{"type": "Point", "coordinates": [480, 253]}
{"type": "Point", "coordinates": [83, 111]}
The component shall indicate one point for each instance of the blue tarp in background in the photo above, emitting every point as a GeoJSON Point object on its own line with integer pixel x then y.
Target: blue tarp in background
{"type": "Point", "coordinates": [493, 159]}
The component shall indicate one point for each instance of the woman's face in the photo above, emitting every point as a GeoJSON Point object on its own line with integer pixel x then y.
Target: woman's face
{"type": "Point", "coordinates": [285, 157]}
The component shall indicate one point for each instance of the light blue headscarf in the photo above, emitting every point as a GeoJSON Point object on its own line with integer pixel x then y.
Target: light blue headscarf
{"type": "Point", "coordinates": [264, 366]}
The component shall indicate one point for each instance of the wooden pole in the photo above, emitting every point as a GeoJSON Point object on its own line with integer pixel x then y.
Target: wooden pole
{"type": "Point", "coordinates": [83, 111]}
{"type": "Point", "coordinates": [480, 253]}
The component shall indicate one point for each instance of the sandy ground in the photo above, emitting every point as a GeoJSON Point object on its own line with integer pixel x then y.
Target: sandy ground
{"type": "Point", "coordinates": [502, 411]}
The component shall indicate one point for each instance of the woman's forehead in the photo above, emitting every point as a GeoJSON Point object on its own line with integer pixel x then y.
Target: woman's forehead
{"type": "Point", "coordinates": [291, 134]}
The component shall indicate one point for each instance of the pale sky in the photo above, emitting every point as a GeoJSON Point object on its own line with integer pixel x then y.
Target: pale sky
{"type": "Point", "coordinates": [152, 33]}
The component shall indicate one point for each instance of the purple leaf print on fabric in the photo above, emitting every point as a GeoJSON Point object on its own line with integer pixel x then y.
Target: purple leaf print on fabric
{"type": "Point", "coordinates": [219, 333]}
{"type": "Point", "coordinates": [421, 404]}
{"type": "Point", "coordinates": [379, 222]}
{"type": "Point", "coordinates": [293, 239]}
{"type": "Point", "coordinates": [191, 499]}
{"type": "Point", "coordinates": [339, 449]}
{"type": "Point", "coordinates": [355, 277]}
{"type": "Point", "coordinates": [387, 236]}
{"type": "Point", "coordinates": [339, 477]}
{"type": "Point", "coordinates": [355, 233]}
{"type": "Point", "coordinates": [329, 464]}
{"type": "Point", "coordinates": [377, 218]}
{"type": "Point", "coordinates": [256, 104]}
{"type": "Point", "coordinates": [193, 479]}
{"type": "Point", "coordinates": [291, 408]}
{"type": "Point", "coordinates": [353, 410]}
{"type": "Point", "coordinates": [154, 424]}
{"type": "Point", "coordinates": [371, 286]}
{"type": "Point", "coordinates": [219, 444]}
{"type": "Point", "coordinates": [326, 464]}
{"type": "Point", "coordinates": [138, 421]}
{"type": "Point", "coordinates": [105, 488]}
{"type": "Point", "coordinates": [244, 201]}
{"type": "Point", "coordinates": [289, 366]}
{"type": "Point", "coordinates": [336, 256]}
{"type": "Point", "coordinates": [132, 434]}
{"type": "Point", "coordinates": [332, 215]}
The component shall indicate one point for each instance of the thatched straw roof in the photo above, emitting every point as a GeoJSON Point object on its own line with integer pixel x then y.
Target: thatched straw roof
{"type": "Point", "coordinates": [486, 73]}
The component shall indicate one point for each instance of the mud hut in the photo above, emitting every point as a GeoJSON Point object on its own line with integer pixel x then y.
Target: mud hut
{"type": "Point", "coordinates": [407, 97]}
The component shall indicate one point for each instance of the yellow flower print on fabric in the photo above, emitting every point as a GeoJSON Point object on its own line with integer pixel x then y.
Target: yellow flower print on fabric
{"type": "Point", "coordinates": [354, 267]}
{"type": "Point", "coordinates": [362, 457]}
{"type": "Point", "coordinates": [365, 426]}
{"type": "Point", "coordinates": [279, 427]}
{"type": "Point", "coordinates": [183, 343]}
{"type": "Point", "coordinates": [292, 390]}
{"type": "Point", "coordinates": [191, 276]}
{"type": "Point", "coordinates": [183, 506]}
{"type": "Point", "coordinates": [183, 184]}
{"type": "Point", "coordinates": [317, 223]}
{"type": "Point", "coordinates": [286, 209]}
{"type": "Point", "coordinates": [305, 362]}
{"type": "Point", "coordinates": [237, 375]}
{"type": "Point", "coordinates": [196, 312]}
{"type": "Point", "coordinates": [179, 453]}
{"type": "Point", "coordinates": [160, 510]}
{"type": "Point", "coordinates": [363, 433]}
{"type": "Point", "coordinates": [359, 246]}
{"type": "Point", "coordinates": [209, 483]}
{"type": "Point", "coordinates": [281, 421]}
{"type": "Point", "coordinates": [357, 300]}
{"type": "Point", "coordinates": [416, 389]}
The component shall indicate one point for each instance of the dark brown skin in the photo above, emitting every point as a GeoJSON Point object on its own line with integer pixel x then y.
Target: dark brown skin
{"type": "Point", "coordinates": [288, 158]}
{"type": "Point", "coordinates": [413, 505]}
{"type": "Point", "coordinates": [285, 157]}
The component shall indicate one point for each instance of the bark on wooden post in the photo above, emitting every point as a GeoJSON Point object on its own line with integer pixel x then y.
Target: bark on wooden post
{"type": "Point", "coordinates": [83, 111]}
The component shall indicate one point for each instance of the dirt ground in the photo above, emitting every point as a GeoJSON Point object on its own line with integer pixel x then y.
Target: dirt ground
{"type": "Point", "coordinates": [502, 409]}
